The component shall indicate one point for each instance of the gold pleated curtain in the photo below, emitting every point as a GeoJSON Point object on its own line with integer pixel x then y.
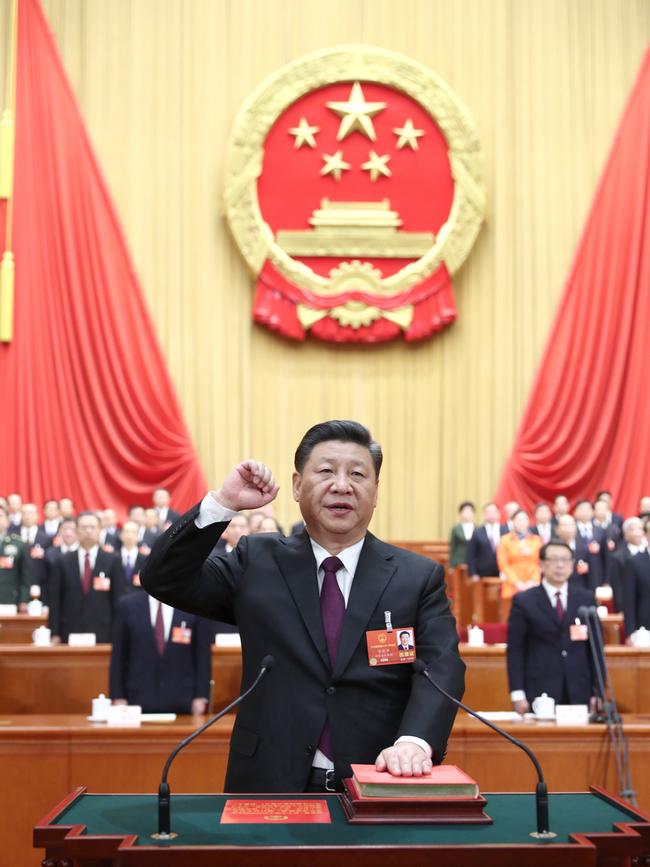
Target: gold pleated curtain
{"type": "Point", "coordinates": [160, 82]}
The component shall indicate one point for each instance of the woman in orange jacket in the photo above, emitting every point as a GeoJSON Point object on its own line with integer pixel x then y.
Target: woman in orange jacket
{"type": "Point", "coordinates": [518, 557]}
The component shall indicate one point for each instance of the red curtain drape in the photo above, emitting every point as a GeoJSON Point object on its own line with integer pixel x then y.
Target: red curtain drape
{"type": "Point", "coordinates": [587, 421]}
{"type": "Point", "coordinates": [88, 408]}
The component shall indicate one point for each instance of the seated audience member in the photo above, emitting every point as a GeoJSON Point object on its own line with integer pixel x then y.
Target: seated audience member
{"type": "Point", "coordinates": [518, 557]}
{"type": "Point", "coordinates": [65, 540]}
{"type": "Point", "coordinates": [560, 507]}
{"type": "Point", "coordinates": [636, 590]}
{"type": "Point", "coordinates": [482, 547]}
{"type": "Point", "coordinates": [543, 526]}
{"type": "Point", "coordinates": [51, 518]}
{"type": "Point", "coordinates": [161, 658]}
{"type": "Point", "coordinates": [164, 512]}
{"type": "Point", "coordinates": [634, 541]}
{"type": "Point", "coordinates": [37, 542]}
{"type": "Point", "coordinates": [593, 539]}
{"type": "Point", "coordinates": [15, 505]}
{"type": "Point", "coordinates": [644, 507]}
{"type": "Point", "coordinates": [85, 585]}
{"type": "Point", "coordinates": [132, 558]}
{"type": "Point", "coordinates": [612, 516]}
{"type": "Point", "coordinates": [509, 510]}
{"type": "Point", "coordinates": [15, 565]}
{"type": "Point", "coordinates": [461, 533]}
{"type": "Point", "coordinates": [587, 571]}
{"type": "Point", "coordinates": [66, 507]}
{"type": "Point", "coordinates": [542, 655]}
{"type": "Point", "coordinates": [612, 531]}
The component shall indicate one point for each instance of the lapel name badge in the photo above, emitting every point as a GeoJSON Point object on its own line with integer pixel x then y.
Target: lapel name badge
{"type": "Point", "coordinates": [391, 647]}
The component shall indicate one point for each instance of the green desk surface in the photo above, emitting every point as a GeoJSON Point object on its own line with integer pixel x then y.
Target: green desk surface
{"type": "Point", "coordinates": [196, 820]}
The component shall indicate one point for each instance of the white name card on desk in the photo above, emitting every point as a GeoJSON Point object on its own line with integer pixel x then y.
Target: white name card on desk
{"type": "Point", "coordinates": [124, 715]}
{"type": "Point", "coordinates": [8, 610]}
{"type": "Point", "coordinates": [227, 639]}
{"type": "Point", "coordinates": [82, 639]}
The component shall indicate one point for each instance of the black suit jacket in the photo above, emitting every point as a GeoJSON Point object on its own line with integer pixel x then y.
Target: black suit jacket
{"type": "Point", "coordinates": [70, 610]}
{"type": "Point", "coordinates": [481, 558]}
{"type": "Point", "coordinates": [541, 656]}
{"type": "Point", "coordinates": [159, 684]}
{"type": "Point", "coordinates": [636, 592]}
{"type": "Point", "coordinates": [40, 565]}
{"type": "Point", "coordinates": [616, 565]}
{"type": "Point", "coordinates": [268, 586]}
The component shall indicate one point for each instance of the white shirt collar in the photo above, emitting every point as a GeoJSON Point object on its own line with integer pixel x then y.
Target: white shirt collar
{"type": "Point", "coordinates": [551, 591]}
{"type": "Point", "coordinates": [348, 556]}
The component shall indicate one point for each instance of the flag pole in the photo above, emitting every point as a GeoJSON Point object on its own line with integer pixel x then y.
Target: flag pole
{"type": "Point", "coordinates": [7, 138]}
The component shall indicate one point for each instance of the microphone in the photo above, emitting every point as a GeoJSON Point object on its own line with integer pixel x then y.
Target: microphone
{"type": "Point", "coordinates": [164, 795]}
{"type": "Point", "coordinates": [541, 791]}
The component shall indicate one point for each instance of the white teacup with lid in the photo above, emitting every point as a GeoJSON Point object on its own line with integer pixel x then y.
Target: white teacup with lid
{"type": "Point", "coordinates": [41, 636]}
{"type": "Point", "coordinates": [544, 706]}
{"type": "Point", "coordinates": [101, 705]}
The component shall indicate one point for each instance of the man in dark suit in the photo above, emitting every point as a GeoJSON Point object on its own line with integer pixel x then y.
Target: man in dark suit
{"type": "Point", "coordinates": [545, 653]}
{"type": "Point", "coordinates": [161, 658]}
{"type": "Point", "coordinates": [132, 558]}
{"type": "Point", "coordinates": [636, 590]}
{"type": "Point", "coordinates": [510, 509]}
{"type": "Point", "coordinates": [309, 600]}
{"type": "Point", "coordinates": [85, 585]}
{"type": "Point", "coordinates": [109, 535]}
{"type": "Point", "coordinates": [587, 572]}
{"type": "Point", "coordinates": [591, 539]}
{"type": "Point", "coordinates": [162, 504]}
{"type": "Point", "coordinates": [560, 508]}
{"type": "Point", "coordinates": [65, 541]}
{"type": "Point", "coordinates": [612, 516]}
{"type": "Point", "coordinates": [51, 518]}
{"type": "Point", "coordinates": [612, 531]}
{"type": "Point", "coordinates": [37, 542]}
{"type": "Point", "coordinates": [635, 542]}
{"type": "Point", "coordinates": [482, 547]}
{"type": "Point", "coordinates": [543, 526]}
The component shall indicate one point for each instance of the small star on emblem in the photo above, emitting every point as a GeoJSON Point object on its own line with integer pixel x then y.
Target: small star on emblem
{"type": "Point", "coordinates": [408, 135]}
{"type": "Point", "coordinates": [356, 114]}
{"type": "Point", "coordinates": [304, 134]}
{"type": "Point", "coordinates": [376, 165]}
{"type": "Point", "coordinates": [334, 165]}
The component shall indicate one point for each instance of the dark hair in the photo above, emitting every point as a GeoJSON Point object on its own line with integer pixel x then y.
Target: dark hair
{"type": "Point", "coordinates": [467, 503]}
{"type": "Point", "coordinates": [68, 521]}
{"type": "Point", "coordinates": [581, 502]}
{"type": "Point", "coordinates": [136, 506]}
{"type": "Point", "coordinates": [85, 515]}
{"type": "Point", "coordinates": [520, 512]}
{"type": "Point", "coordinates": [340, 431]}
{"type": "Point", "coordinates": [51, 500]}
{"type": "Point", "coordinates": [599, 495]}
{"type": "Point", "coordinates": [557, 497]}
{"type": "Point", "coordinates": [554, 543]}
{"type": "Point", "coordinates": [405, 632]}
{"type": "Point", "coordinates": [539, 506]}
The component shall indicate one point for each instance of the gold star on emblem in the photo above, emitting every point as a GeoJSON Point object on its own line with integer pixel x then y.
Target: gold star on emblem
{"type": "Point", "coordinates": [408, 135]}
{"type": "Point", "coordinates": [334, 165]}
{"type": "Point", "coordinates": [376, 165]}
{"type": "Point", "coordinates": [356, 114]}
{"type": "Point", "coordinates": [304, 134]}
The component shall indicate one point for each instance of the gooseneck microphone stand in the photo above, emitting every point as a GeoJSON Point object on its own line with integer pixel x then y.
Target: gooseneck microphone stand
{"type": "Point", "coordinates": [164, 796]}
{"type": "Point", "coordinates": [589, 615]}
{"type": "Point", "coordinates": [541, 791]}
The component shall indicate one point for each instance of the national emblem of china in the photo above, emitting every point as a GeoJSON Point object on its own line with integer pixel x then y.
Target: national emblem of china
{"type": "Point", "coordinates": [354, 190]}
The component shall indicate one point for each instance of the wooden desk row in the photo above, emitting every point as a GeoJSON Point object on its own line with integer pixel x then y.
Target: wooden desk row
{"type": "Point", "coordinates": [44, 757]}
{"type": "Point", "coordinates": [64, 679]}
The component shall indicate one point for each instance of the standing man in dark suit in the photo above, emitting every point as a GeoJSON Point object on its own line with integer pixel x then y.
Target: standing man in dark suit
{"type": "Point", "coordinates": [543, 526]}
{"type": "Point", "coordinates": [311, 601]}
{"type": "Point", "coordinates": [587, 570]}
{"type": "Point", "coordinates": [109, 535]}
{"type": "Point", "coordinates": [612, 516]}
{"type": "Point", "coordinates": [161, 658]}
{"type": "Point", "coordinates": [132, 558]}
{"type": "Point", "coordinates": [162, 504]}
{"type": "Point", "coordinates": [560, 508]}
{"type": "Point", "coordinates": [482, 547]}
{"type": "Point", "coordinates": [85, 585]}
{"type": "Point", "coordinates": [635, 542]}
{"type": "Point", "coordinates": [37, 542]}
{"type": "Point", "coordinates": [593, 539]}
{"type": "Point", "coordinates": [51, 518]}
{"type": "Point", "coordinates": [65, 541]}
{"type": "Point", "coordinates": [544, 651]}
{"type": "Point", "coordinates": [636, 590]}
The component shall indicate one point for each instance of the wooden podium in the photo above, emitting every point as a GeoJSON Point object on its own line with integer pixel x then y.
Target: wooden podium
{"type": "Point", "coordinates": [593, 828]}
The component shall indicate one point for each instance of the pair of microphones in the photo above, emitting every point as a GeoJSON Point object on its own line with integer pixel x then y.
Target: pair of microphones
{"type": "Point", "coordinates": [164, 795]}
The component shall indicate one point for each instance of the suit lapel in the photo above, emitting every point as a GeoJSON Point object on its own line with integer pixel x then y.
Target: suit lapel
{"type": "Point", "coordinates": [373, 573]}
{"type": "Point", "coordinates": [546, 607]}
{"type": "Point", "coordinates": [295, 558]}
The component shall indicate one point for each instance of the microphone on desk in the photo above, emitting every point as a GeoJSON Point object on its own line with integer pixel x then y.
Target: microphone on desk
{"type": "Point", "coordinates": [164, 795]}
{"type": "Point", "coordinates": [541, 791]}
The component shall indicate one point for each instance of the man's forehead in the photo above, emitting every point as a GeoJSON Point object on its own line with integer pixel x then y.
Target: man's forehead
{"type": "Point", "coordinates": [336, 450]}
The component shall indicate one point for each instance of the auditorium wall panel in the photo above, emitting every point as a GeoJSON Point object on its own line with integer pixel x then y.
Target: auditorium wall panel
{"type": "Point", "coordinates": [160, 82]}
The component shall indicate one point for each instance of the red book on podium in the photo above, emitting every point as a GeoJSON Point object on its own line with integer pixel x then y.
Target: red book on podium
{"type": "Point", "coordinates": [447, 795]}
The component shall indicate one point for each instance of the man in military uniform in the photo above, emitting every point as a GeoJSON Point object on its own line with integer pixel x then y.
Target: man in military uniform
{"type": "Point", "coordinates": [15, 566]}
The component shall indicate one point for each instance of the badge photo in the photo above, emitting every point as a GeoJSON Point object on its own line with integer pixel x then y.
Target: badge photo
{"type": "Point", "coordinates": [101, 582]}
{"type": "Point", "coordinates": [181, 634]}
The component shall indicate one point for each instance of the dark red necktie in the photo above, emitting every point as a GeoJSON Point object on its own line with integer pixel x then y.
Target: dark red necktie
{"type": "Point", "coordinates": [559, 609]}
{"type": "Point", "coordinates": [159, 630]}
{"type": "Point", "coordinates": [85, 578]}
{"type": "Point", "coordinates": [332, 606]}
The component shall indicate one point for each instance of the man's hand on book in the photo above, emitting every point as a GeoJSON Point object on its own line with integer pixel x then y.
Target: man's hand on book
{"type": "Point", "coordinates": [404, 760]}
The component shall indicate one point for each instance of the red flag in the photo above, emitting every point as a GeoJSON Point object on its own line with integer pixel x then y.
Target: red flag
{"type": "Point", "coordinates": [88, 408]}
{"type": "Point", "coordinates": [587, 421]}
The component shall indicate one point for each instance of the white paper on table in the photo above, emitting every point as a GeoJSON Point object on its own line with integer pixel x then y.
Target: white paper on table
{"type": "Point", "coordinates": [227, 639]}
{"type": "Point", "coordinates": [82, 639]}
